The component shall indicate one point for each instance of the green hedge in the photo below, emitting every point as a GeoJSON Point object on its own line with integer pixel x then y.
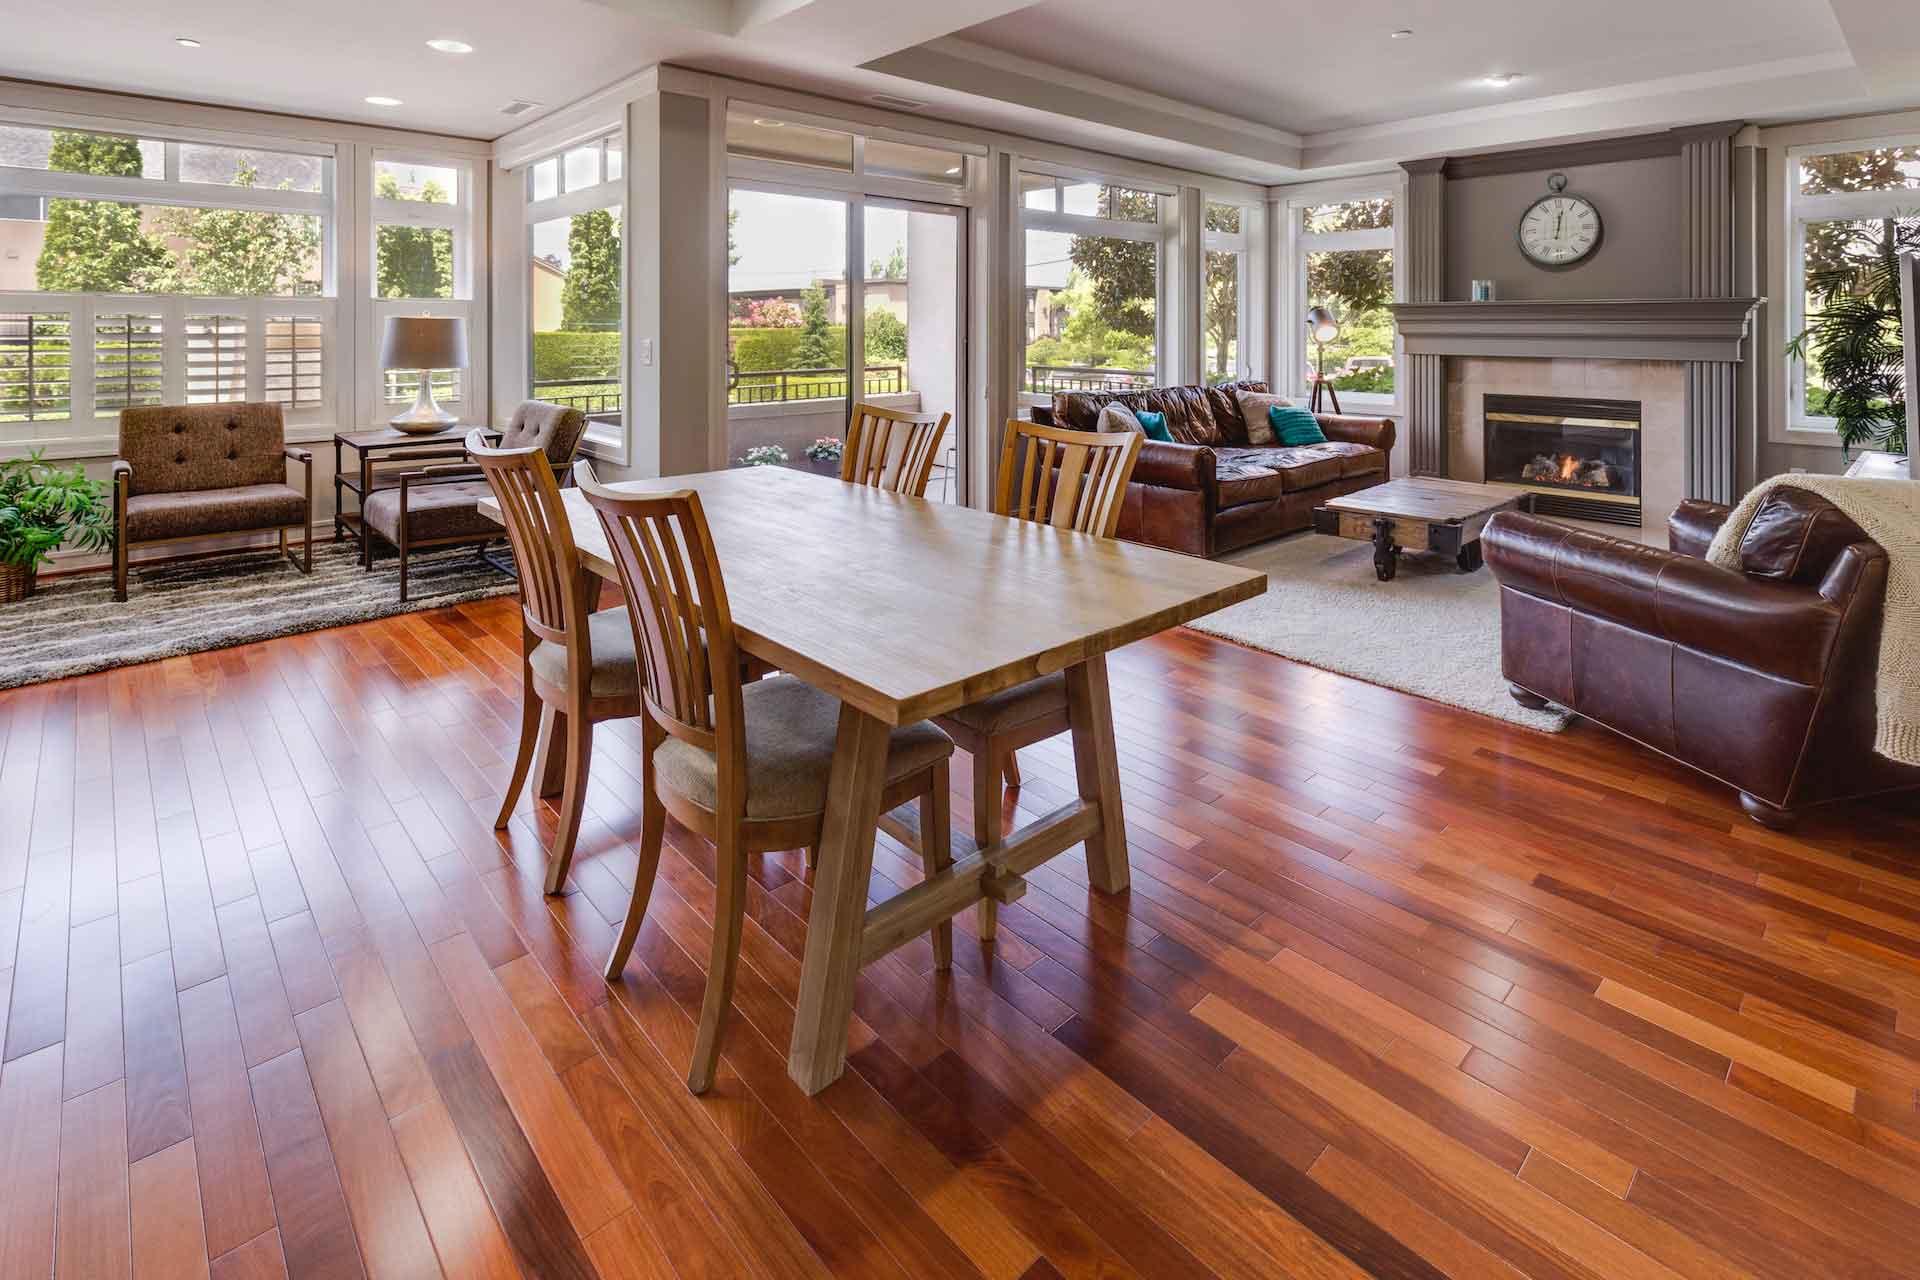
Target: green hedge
{"type": "Point", "coordinates": [570, 353]}
{"type": "Point", "coordinates": [755, 349]}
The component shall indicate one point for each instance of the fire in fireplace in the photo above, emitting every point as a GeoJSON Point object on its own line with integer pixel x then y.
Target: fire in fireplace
{"type": "Point", "coordinates": [1580, 457]}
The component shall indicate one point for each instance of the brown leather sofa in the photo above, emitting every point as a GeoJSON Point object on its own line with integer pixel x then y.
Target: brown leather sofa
{"type": "Point", "coordinates": [1763, 678]}
{"type": "Point", "coordinates": [196, 471]}
{"type": "Point", "coordinates": [1212, 491]}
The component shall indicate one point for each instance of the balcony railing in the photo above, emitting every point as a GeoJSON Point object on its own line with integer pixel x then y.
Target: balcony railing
{"type": "Point", "coordinates": [589, 396]}
{"type": "Point", "coordinates": [1045, 379]}
{"type": "Point", "coordinates": [778, 386]}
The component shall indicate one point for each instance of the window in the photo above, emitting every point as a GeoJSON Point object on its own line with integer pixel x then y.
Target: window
{"type": "Point", "coordinates": [1852, 213]}
{"type": "Point", "coordinates": [574, 293]}
{"type": "Point", "coordinates": [761, 137]}
{"type": "Point", "coordinates": [422, 215]}
{"type": "Point", "coordinates": [1343, 261]}
{"type": "Point", "coordinates": [157, 258]}
{"type": "Point", "coordinates": [1093, 285]}
{"type": "Point", "coordinates": [1223, 317]}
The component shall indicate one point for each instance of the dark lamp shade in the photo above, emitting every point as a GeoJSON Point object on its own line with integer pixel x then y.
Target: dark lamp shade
{"type": "Point", "coordinates": [424, 342]}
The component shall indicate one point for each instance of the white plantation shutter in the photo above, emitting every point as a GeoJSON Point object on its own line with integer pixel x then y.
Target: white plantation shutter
{"type": "Point", "coordinates": [295, 360]}
{"type": "Point", "coordinates": [36, 370]}
{"type": "Point", "coordinates": [129, 361]}
{"type": "Point", "coordinates": [216, 358]}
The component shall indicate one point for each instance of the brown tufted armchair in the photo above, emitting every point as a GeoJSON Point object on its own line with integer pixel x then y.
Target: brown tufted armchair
{"type": "Point", "coordinates": [439, 506]}
{"type": "Point", "coordinates": [200, 470]}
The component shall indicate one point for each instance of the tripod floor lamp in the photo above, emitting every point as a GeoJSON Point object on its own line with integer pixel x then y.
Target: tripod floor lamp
{"type": "Point", "coordinates": [1323, 327]}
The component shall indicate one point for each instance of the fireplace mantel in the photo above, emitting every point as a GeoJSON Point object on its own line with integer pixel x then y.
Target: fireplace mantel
{"type": "Point", "coordinates": [1710, 329]}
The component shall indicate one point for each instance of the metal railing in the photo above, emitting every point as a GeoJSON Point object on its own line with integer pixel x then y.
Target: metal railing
{"type": "Point", "coordinates": [779, 386]}
{"type": "Point", "coordinates": [1045, 379]}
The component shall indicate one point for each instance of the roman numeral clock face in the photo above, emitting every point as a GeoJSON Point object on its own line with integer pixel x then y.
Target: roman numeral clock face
{"type": "Point", "coordinates": [1560, 230]}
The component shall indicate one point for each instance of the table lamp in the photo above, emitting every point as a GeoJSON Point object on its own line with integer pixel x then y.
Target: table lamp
{"type": "Point", "coordinates": [423, 344]}
{"type": "Point", "coordinates": [1323, 327]}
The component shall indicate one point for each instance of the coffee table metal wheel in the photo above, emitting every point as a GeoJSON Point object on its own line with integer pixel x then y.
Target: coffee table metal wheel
{"type": "Point", "coordinates": [1386, 556]}
{"type": "Point", "coordinates": [1469, 557]}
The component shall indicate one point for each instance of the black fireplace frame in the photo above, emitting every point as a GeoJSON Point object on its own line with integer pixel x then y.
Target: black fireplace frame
{"type": "Point", "coordinates": [1578, 502]}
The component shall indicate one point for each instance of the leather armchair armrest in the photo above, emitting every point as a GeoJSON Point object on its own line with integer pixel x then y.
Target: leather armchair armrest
{"type": "Point", "coordinates": [122, 477]}
{"type": "Point", "coordinates": [1176, 466]}
{"type": "Point", "coordinates": [1784, 631]}
{"type": "Point", "coordinates": [1691, 527]}
{"type": "Point", "coordinates": [1380, 433]}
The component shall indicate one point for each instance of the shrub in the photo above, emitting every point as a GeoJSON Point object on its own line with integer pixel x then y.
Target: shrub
{"type": "Point", "coordinates": [756, 349]}
{"type": "Point", "coordinates": [581, 354]}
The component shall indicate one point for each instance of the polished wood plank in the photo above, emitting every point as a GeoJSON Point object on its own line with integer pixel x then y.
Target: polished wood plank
{"type": "Point", "coordinates": [93, 1239]}
{"type": "Point", "coordinates": [234, 1197]}
{"type": "Point", "coordinates": [159, 1114]}
{"type": "Point", "coordinates": [30, 1124]}
{"type": "Point", "coordinates": [168, 1241]}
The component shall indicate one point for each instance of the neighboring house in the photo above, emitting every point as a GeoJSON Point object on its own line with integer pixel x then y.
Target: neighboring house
{"type": "Point", "coordinates": [549, 282]}
{"type": "Point", "coordinates": [1046, 312]}
{"type": "Point", "coordinates": [23, 229]}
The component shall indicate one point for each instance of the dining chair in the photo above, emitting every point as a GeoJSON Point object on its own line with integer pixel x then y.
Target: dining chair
{"type": "Point", "coordinates": [745, 763]}
{"type": "Point", "coordinates": [1071, 480]}
{"type": "Point", "coordinates": [891, 449]}
{"type": "Point", "coordinates": [577, 666]}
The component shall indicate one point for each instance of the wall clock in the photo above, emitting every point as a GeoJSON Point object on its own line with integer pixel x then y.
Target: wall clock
{"type": "Point", "coordinates": [1560, 229]}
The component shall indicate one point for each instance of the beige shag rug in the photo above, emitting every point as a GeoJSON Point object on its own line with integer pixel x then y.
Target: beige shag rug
{"type": "Point", "coordinates": [1432, 631]}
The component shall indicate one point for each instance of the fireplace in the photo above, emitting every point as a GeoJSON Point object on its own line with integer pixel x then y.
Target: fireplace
{"type": "Point", "coordinates": [1579, 457]}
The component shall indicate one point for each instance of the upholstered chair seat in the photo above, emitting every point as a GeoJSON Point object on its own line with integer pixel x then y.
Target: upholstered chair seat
{"type": "Point", "coordinates": [791, 728]}
{"type": "Point", "coordinates": [998, 712]}
{"type": "Point", "coordinates": [156, 517]}
{"type": "Point", "coordinates": [434, 512]}
{"type": "Point", "coordinates": [615, 673]}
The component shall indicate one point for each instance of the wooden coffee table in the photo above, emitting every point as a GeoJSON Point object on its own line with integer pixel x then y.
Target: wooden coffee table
{"type": "Point", "coordinates": [1419, 514]}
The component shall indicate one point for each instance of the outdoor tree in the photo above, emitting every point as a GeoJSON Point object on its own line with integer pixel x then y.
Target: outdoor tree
{"type": "Point", "coordinates": [886, 335]}
{"type": "Point", "coordinates": [894, 268]}
{"type": "Point", "coordinates": [816, 349]}
{"type": "Point", "coordinates": [238, 252]}
{"type": "Point", "coordinates": [1351, 280]}
{"type": "Point", "coordinates": [96, 246]}
{"type": "Point", "coordinates": [733, 254]}
{"type": "Point", "coordinates": [1853, 341]}
{"type": "Point", "coordinates": [1222, 316]}
{"type": "Point", "coordinates": [1120, 272]}
{"type": "Point", "coordinates": [413, 262]}
{"type": "Point", "coordinates": [590, 298]}
{"type": "Point", "coordinates": [1880, 169]}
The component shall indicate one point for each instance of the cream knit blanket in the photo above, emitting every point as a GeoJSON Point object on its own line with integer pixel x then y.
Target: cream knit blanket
{"type": "Point", "coordinates": [1889, 511]}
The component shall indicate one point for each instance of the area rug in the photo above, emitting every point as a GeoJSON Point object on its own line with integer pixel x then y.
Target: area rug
{"type": "Point", "coordinates": [73, 625]}
{"type": "Point", "coordinates": [1432, 631]}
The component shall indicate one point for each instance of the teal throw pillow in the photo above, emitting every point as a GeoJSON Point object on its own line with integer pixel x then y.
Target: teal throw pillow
{"type": "Point", "coordinates": [1155, 425]}
{"type": "Point", "coordinates": [1293, 425]}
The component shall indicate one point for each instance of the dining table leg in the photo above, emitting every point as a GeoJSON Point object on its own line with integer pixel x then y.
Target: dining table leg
{"type": "Point", "coordinates": [1096, 766]}
{"type": "Point", "coordinates": [818, 1052]}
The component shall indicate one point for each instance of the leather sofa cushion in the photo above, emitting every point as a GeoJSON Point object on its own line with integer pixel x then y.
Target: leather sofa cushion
{"type": "Point", "coordinates": [1246, 475]}
{"type": "Point", "coordinates": [447, 510]}
{"type": "Point", "coordinates": [183, 448]}
{"type": "Point", "coordinates": [1296, 469]}
{"type": "Point", "coordinates": [1795, 537]}
{"type": "Point", "coordinates": [155, 516]}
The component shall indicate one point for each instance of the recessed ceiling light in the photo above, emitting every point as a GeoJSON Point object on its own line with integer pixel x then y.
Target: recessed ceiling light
{"type": "Point", "coordinates": [1499, 79]}
{"type": "Point", "coordinates": [1404, 33]}
{"type": "Point", "coordinates": [765, 123]}
{"type": "Point", "coordinates": [377, 100]}
{"type": "Point", "coordinates": [186, 42]}
{"type": "Point", "coordinates": [450, 46]}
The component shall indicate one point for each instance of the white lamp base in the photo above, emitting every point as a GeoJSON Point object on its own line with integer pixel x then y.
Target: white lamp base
{"type": "Point", "coordinates": [425, 416]}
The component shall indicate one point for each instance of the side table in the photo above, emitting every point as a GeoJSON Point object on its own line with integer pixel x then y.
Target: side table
{"type": "Point", "coordinates": [382, 444]}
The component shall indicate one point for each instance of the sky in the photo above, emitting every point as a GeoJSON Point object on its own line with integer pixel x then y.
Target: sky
{"type": "Point", "coordinates": [788, 241]}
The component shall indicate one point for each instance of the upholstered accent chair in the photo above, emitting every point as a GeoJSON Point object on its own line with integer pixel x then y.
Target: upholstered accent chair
{"type": "Point", "coordinates": [439, 506]}
{"type": "Point", "coordinates": [201, 470]}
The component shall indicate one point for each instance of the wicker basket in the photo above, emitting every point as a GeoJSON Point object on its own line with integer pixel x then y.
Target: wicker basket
{"type": "Point", "coordinates": [16, 582]}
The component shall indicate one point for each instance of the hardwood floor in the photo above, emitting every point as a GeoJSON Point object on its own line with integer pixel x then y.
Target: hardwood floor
{"type": "Point", "coordinates": [1397, 990]}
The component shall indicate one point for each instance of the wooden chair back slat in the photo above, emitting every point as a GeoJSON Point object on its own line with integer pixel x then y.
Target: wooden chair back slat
{"type": "Point", "coordinates": [552, 597]}
{"type": "Point", "coordinates": [891, 449]}
{"type": "Point", "coordinates": [1068, 479]}
{"type": "Point", "coordinates": [683, 629]}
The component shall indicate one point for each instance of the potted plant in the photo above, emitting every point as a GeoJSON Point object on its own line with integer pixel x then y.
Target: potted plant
{"type": "Point", "coordinates": [42, 507]}
{"type": "Point", "coordinates": [824, 455]}
{"type": "Point", "coordinates": [764, 455]}
{"type": "Point", "coordinates": [1853, 341]}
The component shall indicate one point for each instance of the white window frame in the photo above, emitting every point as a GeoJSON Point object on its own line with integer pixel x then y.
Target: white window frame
{"type": "Point", "coordinates": [1245, 245]}
{"type": "Point", "coordinates": [1162, 234]}
{"type": "Point", "coordinates": [85, 431]}
{"type": "Point", "coordinates": [600, 440]}
{"type": "Point", "coordinates": [466, 388]}
{"type": "Point", "coordinates": [1292, 350]}
{"type": "Point", "coordinates": [1802, 209]}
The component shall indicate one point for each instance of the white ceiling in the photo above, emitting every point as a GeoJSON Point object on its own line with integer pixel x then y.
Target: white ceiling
{"type": "Point", "coordinates": [1308, 66]}
{"type": "Point", "coordinates": [1265, 90]}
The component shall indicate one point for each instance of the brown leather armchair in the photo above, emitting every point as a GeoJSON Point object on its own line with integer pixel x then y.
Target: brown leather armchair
{"type": "Point", "coordinates": [1212, 490]}
{"type": "Point", "coordinates": [1762, 678]}
{"type": "Point", "coordinates": [196, 471]}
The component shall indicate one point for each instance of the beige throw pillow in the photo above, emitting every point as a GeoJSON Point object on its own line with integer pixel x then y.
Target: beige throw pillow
{"type": "Point", "coordinates": [1117, 417]}
{"type": "Point", "coordinates": [1253, 407]}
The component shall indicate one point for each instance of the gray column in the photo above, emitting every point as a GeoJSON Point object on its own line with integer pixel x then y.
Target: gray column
{"type": "Point", "coordinates": [1707, 269]}
{"type": "Point", "coordinates": [1425, 376]}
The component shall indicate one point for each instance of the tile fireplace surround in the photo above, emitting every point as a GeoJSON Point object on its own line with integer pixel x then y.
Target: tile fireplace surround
{"type": "Point", "coordinates": [1659, 386]}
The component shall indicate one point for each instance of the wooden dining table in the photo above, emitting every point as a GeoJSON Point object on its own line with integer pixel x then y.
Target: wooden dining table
{"type": "Point", "coordinates": [904, 609]}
